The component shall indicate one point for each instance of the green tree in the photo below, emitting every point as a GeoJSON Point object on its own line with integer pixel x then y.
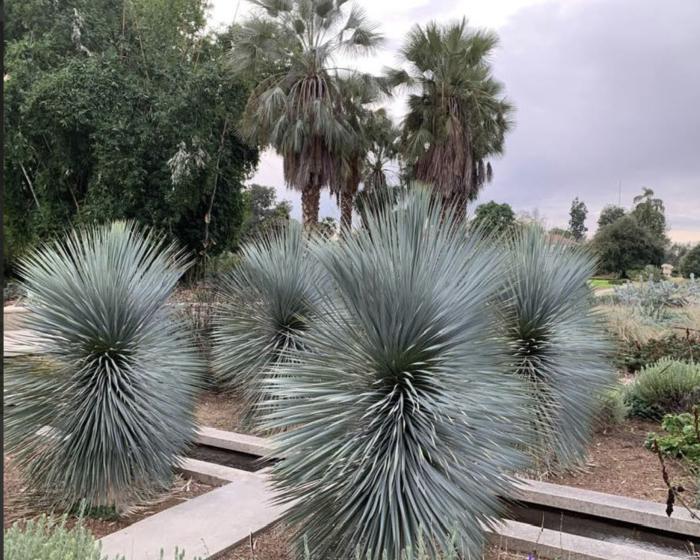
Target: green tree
{"type": "Point", "coordinates": [625, 245]}
{"type": "Point", "coordinates": [649, 212]}
{"type": "Point", "coordinates": [262, 212]}
{"type": "Point", "coordinates": [675, 253]}
{"type": "Point", "coordinates": [295, 110]}
{"type": "Point", "coordinates": [494, 218]}
{"type": "Point", "coordinates": [610, 214]}
{"type": "Point", "coordinates": [122, 110]}
{"type": "Point", "coordinates": [690, 263]}
{"type": "Point", "coordinates": [560, 232]}
{"type": "Point", "coordinates": [577, 220]}
{"type": "Point", "coordinates": [457, 116]}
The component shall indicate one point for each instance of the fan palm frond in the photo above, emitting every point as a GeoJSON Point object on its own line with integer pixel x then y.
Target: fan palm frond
{"type": "Point", "coordinates": [115, 373]}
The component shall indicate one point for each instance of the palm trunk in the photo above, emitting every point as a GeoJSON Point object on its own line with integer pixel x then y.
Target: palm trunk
{"type": "Point", "coordinates": [310, 204]}
{"type": "Point", "coordinates": [346, 210]}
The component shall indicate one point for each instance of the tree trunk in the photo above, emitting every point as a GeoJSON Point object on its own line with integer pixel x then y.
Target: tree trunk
{"type": "Point", "coordinates": [346, 210]}
{"type": "Point", "coordinates": [310, 205]}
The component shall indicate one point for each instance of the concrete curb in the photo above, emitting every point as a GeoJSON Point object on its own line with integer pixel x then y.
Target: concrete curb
{"type": "Point", "coordinates": [233, 441]}
{"type": "Point", "coordinates": [554, 544]}
{"type": "Point", "coordinates": [609, 506]}
{"type": "Point", "coordinates": [211, 473]}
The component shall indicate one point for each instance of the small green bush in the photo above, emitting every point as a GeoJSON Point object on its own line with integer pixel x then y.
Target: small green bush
{"type": "Point", "coordinates": [612, 409]}
{"type": "Point", "coordinates": [634, 355]}
{"type": "Point", "coordinates": [48, 538]}
{"type": "Point", "coordinates": [666, 387]}
{"type": "Point", "coordinates": [682, 438]}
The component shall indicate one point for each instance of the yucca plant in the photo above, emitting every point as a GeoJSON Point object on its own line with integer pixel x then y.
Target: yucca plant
{"type": "Point", "coordinates": [266, 303]}
{"type": "Point", "coordinates": [556, 339]}
{"type": "Point", "coordinates": [397, 416]}
{"type": "Point", "coordinates": [103, 407]}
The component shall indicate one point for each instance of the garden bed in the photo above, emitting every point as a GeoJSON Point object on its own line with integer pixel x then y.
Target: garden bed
{"type": "Point", "coordinates": [223, 411]}
{"type": "Point", "coordinates": [15, 508]}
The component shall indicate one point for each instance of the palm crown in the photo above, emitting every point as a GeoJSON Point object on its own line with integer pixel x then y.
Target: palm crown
{"type": "Point", "coordinates": [295, 110]}
{"type": "Point", "coordinates": [457, 115]}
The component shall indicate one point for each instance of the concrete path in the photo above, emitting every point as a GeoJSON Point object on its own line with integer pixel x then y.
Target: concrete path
{"type": "Point", "coordinates": [203, 526]}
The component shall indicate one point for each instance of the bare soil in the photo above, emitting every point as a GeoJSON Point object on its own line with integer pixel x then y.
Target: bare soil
{"type": "Point", "coordinates": [223, 411]}
{"type": "Point", "coordinates": [619, 464]}
{"type": "Point", "coordinates": [274, 544]}
{"type": "Point", "coordinates": [16, 506]}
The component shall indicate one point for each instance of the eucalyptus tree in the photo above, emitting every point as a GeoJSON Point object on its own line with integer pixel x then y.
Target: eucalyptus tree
{"type": "Point", "coordinates": [114, 373]}
{"type": "Point", "coordinates": [294, 110]}
{"type": "Point", "coordinates": [457, 115]}
{"type": "Point", "coordinates": [649, 212]}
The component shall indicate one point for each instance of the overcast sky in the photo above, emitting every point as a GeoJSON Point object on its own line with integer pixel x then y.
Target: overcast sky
{"type": "Point", "coordinates": [607, 95]}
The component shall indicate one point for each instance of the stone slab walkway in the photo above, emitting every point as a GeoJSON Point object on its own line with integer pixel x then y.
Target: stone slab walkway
{"type": "Point", "coordinates": [204, 526]}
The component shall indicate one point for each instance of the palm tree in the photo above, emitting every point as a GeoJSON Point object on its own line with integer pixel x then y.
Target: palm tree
{"type": "Point", "coordinates": [293, 110]}
{"type": "Point", "coordinates": [649, 212]}
{"type": "Point", "coordinates": [457, 117]}
{"type": "Point", "coordinates": [357, 92]}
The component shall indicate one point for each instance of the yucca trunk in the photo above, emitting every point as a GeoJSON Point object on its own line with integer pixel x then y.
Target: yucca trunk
{"type": "Point", "coordinates": [310, 204]}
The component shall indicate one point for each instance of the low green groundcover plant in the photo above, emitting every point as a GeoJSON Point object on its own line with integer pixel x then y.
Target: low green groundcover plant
{"type": "Point", "coordinates": [666, 387]}
{"type": "Point", "coordinates": [681, 439]}
{"type": "Point", "coordinates": [103, 407]}
{"type": "Point", "coordinates": [612, 408]}
{"type": "Point", "coordinates": [49, 538]}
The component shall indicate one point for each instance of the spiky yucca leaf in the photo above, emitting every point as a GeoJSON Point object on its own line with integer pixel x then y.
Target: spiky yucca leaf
{"type": "Point", "coordinates": [114, 375]}
{"type": "Point", "coordinates": [267, 302]}
{"type": "Point", "coordinates": [398, 419]}
{"type": "Point", "coordinates": [557, 340]}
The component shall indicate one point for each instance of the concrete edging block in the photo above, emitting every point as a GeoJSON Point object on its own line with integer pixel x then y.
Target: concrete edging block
{"type": "Point", "coordinates": [233, 441]}
{"type": "Point", "coordinates": [554, 544]}
{"type": "Point", "coordinates": [609, 506]}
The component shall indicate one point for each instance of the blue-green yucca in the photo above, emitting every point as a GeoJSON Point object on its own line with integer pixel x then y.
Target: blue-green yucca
{"type": "Point", "coordinates": [267, 303]}
{"type": "Point", "coordinates": [114, 375]}
{"type": "Point", "coordinates": [557, 342]}
{"type": "Point", "coordinates": [397, 416]}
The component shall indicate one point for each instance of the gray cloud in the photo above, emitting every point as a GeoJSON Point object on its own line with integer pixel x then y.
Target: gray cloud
{"type": "Point", "coordinates": [607, 93]}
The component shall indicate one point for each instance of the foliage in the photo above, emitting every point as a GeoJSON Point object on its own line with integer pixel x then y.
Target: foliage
{"type": "Point", "coordinates": [114, 375]}
{"type": "Point", "coordinates": [561, 232]}
{"type": "Point", "coordinates": [262, 211]}
{"type": "Point", "coordinates": [667, 386]}
{"type": "Point", "coordinates": [682, 438]}
{"type": "Point", "coordinates": [295, 110]}
{"type": "Point", "coordinates": [48, 538]}
{"type": "Point", "coordinates": [267, 302]}
{"type": "Point", "coordinates": [457, 115]}
{"type": "Point", "coordinates": [383, 137]}
{"type": "Point", "coordinates": [555, 339]}
{"type": "Point", "coordinates": [419, 552]}
{"type": "Point", "coordinates": [654, 299]}
{"type": "Point", "coordinates": [649, 213]}
{"type": "Point", "coordinates": [690, 263]}
{"type": "Point", "coordinates": [394, 404]}
{"type": "Point", "coordinates": [121, 111]}
{"type": "Point", "coordinates": [625, 245]}
{"type": "Point", "coordinates": [494, 218]}
{"type": "Point", "coordinates": [633, 355]}
{"type": "Point", "coordinates": [611, 409]}
{"type": "Point", "coordinates": [577, 220]}
{"type": "Point", "coordinates": [610, 214]}
{"type": "Point", "coordinates": [675, 253]}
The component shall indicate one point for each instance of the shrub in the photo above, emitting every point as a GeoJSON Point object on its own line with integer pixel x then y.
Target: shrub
{"type": "Point", "coordinates": [400, 414]}
{"type": "Point", "coordinates": [266, 303]}
{"type": "Point", "coordinates": [611, 409]}
{"type": "Point", "coordinates": [555, 339]}
{"type": "Point", "coordinates": [682, 437]}
{"type": "Point", "coordinates": [667, 386]}
{"type": "Point", "coordinates": [633, 356]}
{"type": "Point", "coordinates": [398, 417]}
{"type": "Point", "coordinates": [654, 299]}
{"type": "Point", "coordinates": [114, 375]}
{"type": "Point", "coordinates": [690, 263]}
{"type": "Point", "coordinates": [48, 538]}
